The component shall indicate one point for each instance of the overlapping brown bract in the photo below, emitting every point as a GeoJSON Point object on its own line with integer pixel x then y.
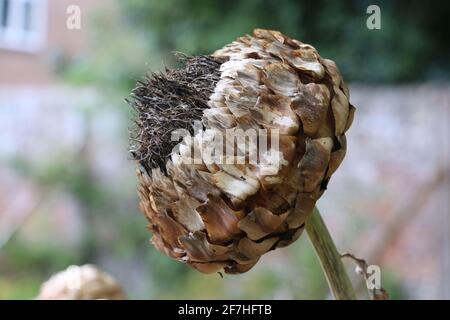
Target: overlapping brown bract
{"type": "Point", "coordinates": [216, 216]}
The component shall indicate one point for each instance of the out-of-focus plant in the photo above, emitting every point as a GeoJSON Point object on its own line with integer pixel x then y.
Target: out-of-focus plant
{"type": "Point", "coordinates": [410, 46]}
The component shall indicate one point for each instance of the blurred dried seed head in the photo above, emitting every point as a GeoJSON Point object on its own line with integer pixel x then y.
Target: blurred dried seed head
{"type": "Point", "coordinates": [222, 214]}
{"type": "Point", "coordinates": [86, 282]}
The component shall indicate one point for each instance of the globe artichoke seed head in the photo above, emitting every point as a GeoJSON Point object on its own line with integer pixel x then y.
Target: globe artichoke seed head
{"type": "Point", "coordinates": [225, 211]}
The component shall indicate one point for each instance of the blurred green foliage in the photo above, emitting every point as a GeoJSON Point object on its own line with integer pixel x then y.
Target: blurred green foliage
{"type": "Point", "coordinates": [411, 45]}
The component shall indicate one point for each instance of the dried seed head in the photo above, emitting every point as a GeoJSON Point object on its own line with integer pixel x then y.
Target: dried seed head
{"type": "Point", "coordinates": [85, 282]}
{"type": "Point", "coordinates": [286, 110]}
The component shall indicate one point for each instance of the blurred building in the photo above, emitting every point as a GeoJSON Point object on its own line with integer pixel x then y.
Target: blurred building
{"type": "Point", "coordinates": [41, 118]}
{"type": "Point", "coordinates": [35, 39]}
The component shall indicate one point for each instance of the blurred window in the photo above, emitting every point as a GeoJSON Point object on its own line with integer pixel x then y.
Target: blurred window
{"type": "Point", "coordinates": [22, 24]}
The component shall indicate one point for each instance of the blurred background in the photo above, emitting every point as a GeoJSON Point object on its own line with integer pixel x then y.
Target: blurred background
{"type": "Point", "coordinates": [68, 188]}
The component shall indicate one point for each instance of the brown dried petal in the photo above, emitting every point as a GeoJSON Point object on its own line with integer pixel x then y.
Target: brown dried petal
{"type": "Point", "coordinates": [314, 163]}
{"type": "Point", "coordinates": [255, 249]}
{"type": "Point", "coordinates": [270, 200]}
{"type": "Point", "coordinates": [281, 79]}
{"type": "Point", "coordinates": [304, 205]}
{"type": "Point", "coordinates": [311, 105]}
{"type": "Point", "coordinates": [290, 237]}
{"type": "Point", "coordinates": [184, 212]}
{"type": "Point", "coordinates": [208, 267]}
{"type": "Point", "coordinates": [351, 115]}
{"type": "Point", "coordinates": [199, 249]}
{"type": "Point", "coordinates": [236, 268]}
{"type": "Point", "coordinates": [337, 157]}
{"type": "Point", "coordinates": [168, 229]}
{"type": "Point", "coordinates": [340, 107]}
{"type": "Point", "coordinates": [196, 183]}
{"type": "Point", "coordinates": [333, 71]}
{"type": "Point", "coordinates": [274, 163]}
{"type": "Point", "coordinates": [220, 220]}
{"type": "Point", "coordinates": [261, 222]}
{"type": "Point", "coordinates": [270, 35]}
{"type": "Point", "coordinates": [305, 59]}
{"type": "Point", "coordinates": [159, 244]}
{"type": "Point", "coordinates": [239, 103]}
{"type": "Point", "coordinates": [274, 112]}
{"type": "Point", "coordinates": [220, 118]}
{"type": "Point", "coordinates": [238, 189]}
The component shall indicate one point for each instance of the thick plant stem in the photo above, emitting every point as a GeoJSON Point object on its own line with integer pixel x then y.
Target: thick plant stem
{"type": "Point", "coordinates": [329, 258]}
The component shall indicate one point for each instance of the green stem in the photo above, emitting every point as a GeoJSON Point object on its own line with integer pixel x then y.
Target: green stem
{"type": "Point", "coordinates": [329, 258]}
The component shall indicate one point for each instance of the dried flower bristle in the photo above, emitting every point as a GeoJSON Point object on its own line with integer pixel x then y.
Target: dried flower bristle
{"type": "Point", "coordinates": [168, 101]}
